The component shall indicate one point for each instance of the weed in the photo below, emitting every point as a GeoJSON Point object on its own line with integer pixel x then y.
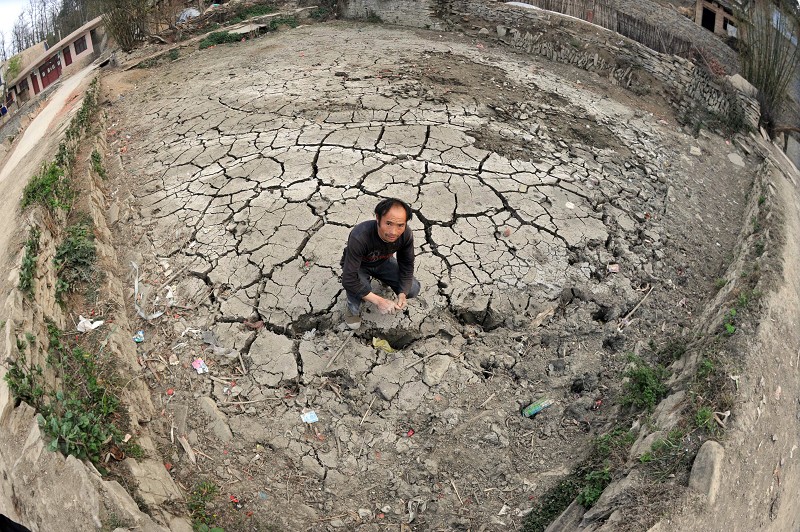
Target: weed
{"type": "Point", "coordinates": [550, 505]}
{"type": "Point", "coordinates": [704, 418]}
{"type": "Point", "coordinates": [669, 455]}
{"type": "Point", "coordinates": [27, 272]}
{"type": "Point", "coordinates": [674, 349]}
{"type": "Point", "coordinates": [756, 224]}
{"type": "Point", "coordinates": [761, 199]}
{"type": "Point", "coordinates": [646, 457]}
{"type": "Point", "coordinates": [79, 415]}
{"type": "Point", "coordinates": [613, 446]}
{"type": "Point", "coordinates": [243, 13]}
{"type": "Point", "coordinates": [743, 300]}
{"type": "Point", "coordinates": [197, 502]}
{"type": "Point", "coordinates": [148, 63]}
{"type": "Point", "coordinates": [759, 248]}
{"type": "Point", "coordinates": [97, 164]}
{"type": "Point", "coordinates": [645, 385]}
{"type": "Point", "coordinates": [113, 522]}
{"type": "Point", "coordinates": [26, 382]}
{"type": "Point", "coordinates": [173, 54]}
{"type": "Point", "coordinates": [705, 368]}
{"type": "Point", "coordinates": [728, 324]}
{"type": "Point", "coordinates": [275, 23]}
{"type": "Point", "coordinates": [75, 258]}
{"type": "Point", "coordinates": [219, 37]}
{"type": "Point", "coordinates": [49, 188]}
{"type": "Point", "coordinates": [373, 17]}
{"type": "Point", "coordinates": [321, 13]}
{"type": "Point", "coordinates": [594, 484]}
{"type": "Point", "coordinates": [134, 450]}
{"type": "Point", "coordinates": [720, 282]}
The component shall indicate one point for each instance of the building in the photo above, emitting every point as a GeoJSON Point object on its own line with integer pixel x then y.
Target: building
{"type": "Point", "coordinates": [76, 50]}
{"type": "Point", "coordinates": [717, 16]}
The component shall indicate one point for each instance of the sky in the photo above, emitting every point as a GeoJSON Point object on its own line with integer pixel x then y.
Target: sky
{"type": "Point", "coordinates": [9, 11]}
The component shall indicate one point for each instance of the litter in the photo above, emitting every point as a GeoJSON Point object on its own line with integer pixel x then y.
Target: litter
{"type": "Point", "coordinates": [309, 417]}
{"type": "Point", "coordinates": [200, 366]}
{"type": "Point", "coordinates": [613, 268]}
{"type": "Point", "coordinates": [262, 495]}
{"type": "Point", "coordinates": [382, 344]}
{"type": "Point", "coordinates": [138, 337]}
{"type": "Point", "coordinates": [536, 407]}
{"type": "Point", "coordinates": [86, 325]}
{"type": "Point", "coordinates": [139, 310]}
{"type": "Point", "coordinates": [173, 360]}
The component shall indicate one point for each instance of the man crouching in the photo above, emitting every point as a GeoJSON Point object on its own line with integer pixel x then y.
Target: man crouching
{"type": "Point", "coordinates": [369, 253]}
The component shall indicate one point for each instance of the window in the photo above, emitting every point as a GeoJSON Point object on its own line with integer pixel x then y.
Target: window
{"type": "Point", "coordinates": [80, 45]}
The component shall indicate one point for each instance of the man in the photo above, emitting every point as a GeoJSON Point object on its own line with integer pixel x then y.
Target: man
{"type": "Point", "coordinates": [369, 253]}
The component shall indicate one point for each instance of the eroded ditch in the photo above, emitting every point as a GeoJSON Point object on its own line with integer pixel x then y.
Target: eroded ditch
{"type": "Point", "coordinates": [529, 190]}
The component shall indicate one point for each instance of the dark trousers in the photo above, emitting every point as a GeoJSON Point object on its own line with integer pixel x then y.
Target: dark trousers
{"type": "Point", "coordinates": [387, 272]}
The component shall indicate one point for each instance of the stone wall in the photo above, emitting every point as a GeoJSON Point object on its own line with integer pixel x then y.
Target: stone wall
{"type": "Point", "coordinates": [413, 13]}
{"type": "Point", "coordinates": [691, 89]}
{"type": "Point", "coordinates": [45, 490]}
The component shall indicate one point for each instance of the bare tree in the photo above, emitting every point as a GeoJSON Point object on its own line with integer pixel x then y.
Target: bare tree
{"type": "Point", "coordinates": [3, 53]}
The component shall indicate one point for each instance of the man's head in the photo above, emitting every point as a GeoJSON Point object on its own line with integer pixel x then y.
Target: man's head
{"type": "Point", "coordinates": [392, 215]}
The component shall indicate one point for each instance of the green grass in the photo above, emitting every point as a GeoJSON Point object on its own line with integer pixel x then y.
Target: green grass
{"type": "Point", "coordinates": [27, 272]}
{"type": "Point", "coordinates": [75, 259]}
{"type": "Point", "coordinates": [645, 385]}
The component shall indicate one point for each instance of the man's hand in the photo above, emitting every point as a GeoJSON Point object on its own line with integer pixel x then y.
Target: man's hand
{"type": "Point", "coordinates": [386, 307]}
{"type": "Point", "coordinates": [401, 301]}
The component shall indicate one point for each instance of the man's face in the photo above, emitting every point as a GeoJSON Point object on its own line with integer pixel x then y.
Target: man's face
{"type": "Point", "coordinates": [393, 224]}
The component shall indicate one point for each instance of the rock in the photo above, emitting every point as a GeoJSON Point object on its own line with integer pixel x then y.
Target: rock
{"type": "Point", "coordinates": [483, 31]}
{"type": "Point", "coordinates": [644, 443]}
{"type": "Point", "coordinates": [387, 390]}
{"type": "Point", "coordinates": [556, 366]}
{"type": "Point", "coordinates": [179, 524]}
{"type": "Point", "coordinates": [363, 513]}
{"type": "Point", "coordinates": [603, 507]}
{"type": "Point", "coordinates": [411, 396]}
{"type": "Point", "coordinates": [736, 159]}
{"type": "Point", "coordinates": [502, 31]}
{"type": "Point", "coordinates": [667, 412]}
{"type": "Point", "coordinates": [578, 409]}
{"type": "Point", "coordinates": [694, 150]}
{"type": "Point", "coordinates": [568, 520]}
{"type": "Point", "coordinates": [435, 368]}
{"type": "Point", "coordinates": [707, 470]}
{"type": "Point", "coordinates": [219, 422]}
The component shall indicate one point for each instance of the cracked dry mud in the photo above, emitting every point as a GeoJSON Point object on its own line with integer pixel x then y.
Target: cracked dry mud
{"type": "Point", "coordinates": [249, 164]}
